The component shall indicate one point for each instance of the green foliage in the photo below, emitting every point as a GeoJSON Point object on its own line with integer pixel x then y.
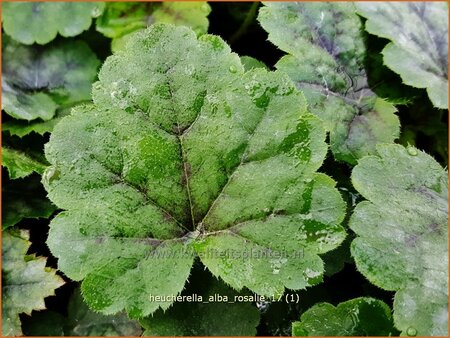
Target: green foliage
{"type": "Point", "coordinates": [190, 171]}
{"type": "Point", "coordinates": [20, 164]}
{"type": "Point", "coordinates": [120, 19]}
{"type": "Point", "coordinates": [207, 158]}
{"type": "Point", "coordinates": [22, 128]}
{"type": "Point", "coordinates": [419, 48]}
{"type": "Point", "coordinates": [25, 21]}
{"type": "Point", "coordinates": [356, 317]}
{"type": "Point", "coordinates": [402, 234]}
{"type": "Point", "coordinates": [382, 80]}
{"type": "Point", "coordinates": [80, 321]}
{"type": "Point", "coordinates": [250, 63]}
{"type": "Point", "coordinates": [26, 281]}
{"type": "Point", "coordinates": [25, 199]}
{"type": "Point", "coordinates": [326, 61]}
{"type": "Point", "coordinates": [236, 318]}
{"type": "Point", "coordinates": [36, 81]}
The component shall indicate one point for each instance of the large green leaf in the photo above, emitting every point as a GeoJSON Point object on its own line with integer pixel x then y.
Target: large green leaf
{"type": "Point", "coordinates": [402, 229]}
{"type": "Point", "coordinates": [24, 199]}
{"type": "Point", "coordinates": [40, 22]}
{"type": "Point", "coordinates": [183, 156]}
{"type": "Point", "coordinates": [326, 61]}
{"type": "Point", "coordinates": [26, 281]}
{"type": "Point", "coordinates": [37, 80]}
{"type": "Point", "coordinates": [419, 48]}
{"type": "Point", "coordinates": [21, 164]}
{"type": "Point", "coordinates": [122, 18]}
{"type": "Point", "coordinates": [356, 317]}
{"type": "Point", "coordinates": [220, 311]}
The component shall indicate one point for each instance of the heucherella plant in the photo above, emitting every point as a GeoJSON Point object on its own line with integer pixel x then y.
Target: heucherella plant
{"type": "Point", "coordinates": [24, 21]}
{"type": "Point", "coordinates": [184, 154]}
{"type": "Point", "coordinates": [285, 174]}
{"type": "Point", "coordinates": [26, 281]}
{"type": "Point", "coordinates": [326, 61]}
{"type": "Point", "coordinates": [419, 48]}
{"type": "Point", "coordinates": [357, 317]}
{"type": "Point", "coordinates": [121, 19]}
{"type": "Point", "coordinates": [39, 83]}
{"type": "Point", "coordinates": [402, 232]}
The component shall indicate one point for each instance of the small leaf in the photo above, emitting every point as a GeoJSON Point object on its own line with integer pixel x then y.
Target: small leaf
{"type": "Point", "coordinates": [419, 48]}
{"type": "Point", "coordinates": [326, 62]}
{"type": "Point", "coordinates": [122, 18]}
{"type": "Point", "coordinates": [37, 80]}
{"type": "Point", "coordinates": [25, 21]}
{"type": "Point", "coordinates": [26, 281]}
{"type": "Point", "coordinates": [24, 198]}
{"type": "Point", "coordinates": [213, 315]}
{"type": "Point", "coordinates": [214, 157]}
{"type": "Point", "coordinates": [356, 317]}
{"type": "Point", "coordinates": [22, 128]}
{"type": "Point", "coordinates": [21, 164]}
{"type": "Point", "coordinates": [402, 234]}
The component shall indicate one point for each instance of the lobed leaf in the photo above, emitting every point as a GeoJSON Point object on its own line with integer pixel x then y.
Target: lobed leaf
{"type": "Point", "coordinates": [119, 20]}
{"type": "Point", "coordinates": [26, 281]}
{"type": "Point", "coordinates": [25, 21]}
{"type": "Point", "coordinates": [356, 317]}
{"type": "Point", "coordinates": [402, 234]}
{"type": "Point", "coordinates": [37, 80]}
{"type": "Point", "coordinates": [326, 61]}
{"type": "Point", "coordinates": [183, 154]}
{"type": "Point", "coordinates": [24, 199]}
{"type": "Point", "coordinates": [419, 48]}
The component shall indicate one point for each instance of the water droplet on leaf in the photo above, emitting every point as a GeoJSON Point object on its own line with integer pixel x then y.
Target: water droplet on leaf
{"type": "Point", "coordinates": [96, 11]}
{"type": "Point", "coordinates": [412, 151]}
{"type": "Point", "coordinates": [411, 331]}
